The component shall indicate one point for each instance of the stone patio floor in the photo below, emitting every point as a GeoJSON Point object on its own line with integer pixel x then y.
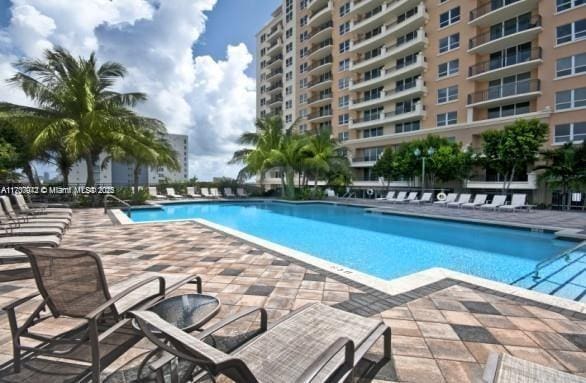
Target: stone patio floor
{"type": "Point", "coordinates": [441, 333]}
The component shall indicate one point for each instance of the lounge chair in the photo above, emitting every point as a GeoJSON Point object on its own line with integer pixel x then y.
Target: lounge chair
{"type": "Point", "coordinates": [388, 197]}
{"type": "Point", "coordinates": [479, 200]}
{"type": "Point", "coordinates": [241, 193]}
{"type": "Point", "coordinates": [425, 198]}
{"type": "Point", "coordinates": [518, 201]}
{"type": "Point", "coordinates": [206, 193]}
{"type": "Point", "coordinates": [10, 255]}
{"type": "Point", "coordinates": [451, 197]}
{"type": "Point", "coordinates": [45, 219]}
{"type": "Point", "coordinates": [464, 198]}
{"type": "Point", "coordinates": [14, 229]}
{"type": "Point", "coordinates": [399, 197]}
{"type": "Point", "coordinates": [153, 193]}
{"type": "Point", "coordinates": [191, 192]}
{"type": "Point", "coordinates": [215, 193]}
{"type": "Point", "coordinates": [330, 193]}
{"type": "Point", "coordinates": [74, 288]}
{"type": "Point", "coordinates": [30, 240]}
{"type": "Point", "coordinates": [411, 197]}
{"type": "Point", "coordinates": [497, 200]}
{"type": "Point", "coordinates": [504, 368]}
{"type": "Point", "coordinates": [23, 207]}
{"type": "Point", "coordinates": [229, 193]}
{"type": "Point", "coordinates": [171, 193]}
{"type": "Point", "coordinates": [316, 343]}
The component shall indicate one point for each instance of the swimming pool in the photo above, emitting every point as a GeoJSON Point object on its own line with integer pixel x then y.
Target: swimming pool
{"type": "Point", "coordinates": [385, 246]}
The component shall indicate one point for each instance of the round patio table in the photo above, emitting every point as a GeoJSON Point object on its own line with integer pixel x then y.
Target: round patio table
{"type": "Point", "coordinates": [187, 312]}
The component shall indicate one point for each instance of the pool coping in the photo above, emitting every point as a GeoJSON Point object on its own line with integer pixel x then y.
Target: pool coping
{"type": "Point", "coordinates": [393, 287]}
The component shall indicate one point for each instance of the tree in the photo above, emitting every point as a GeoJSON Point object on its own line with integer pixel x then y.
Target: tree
{"type": "Point", "coordinates": [514, 148]}
{"type": "Point", "coordinates": [565, 167]}
{"type": "Point", "coordinates": [8, 161]}
{"type": "Point", "coordinates": [290, 157]}
{"type": "Point", "coordinates": [24, 153]}
{"type": "Point", "coordinates": [388, 166]}
{"type": "Point", "coordinates": [75, 105]}
{"type": "Point", "coordinates": [321, 151]}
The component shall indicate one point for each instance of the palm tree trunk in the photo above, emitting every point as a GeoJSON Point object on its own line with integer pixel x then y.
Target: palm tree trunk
{"type": "Point", "coordinates": [28, 170]}
{"type": "Point", "coordinates": [316, 178]}
{"type": "Point", "coordinates": [290, 184]}
{"type": "Point", "coordinates": [89, 162]}
{"type": "Point", "coordinates": [136, 174]}
{"type": "Point", "coordinates": [65, 175]}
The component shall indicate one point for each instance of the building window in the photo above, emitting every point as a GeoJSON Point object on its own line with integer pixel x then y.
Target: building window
{"type": "Point", "coordinates": [289, 76]}
{"type": "Point", "coordinates": [449, 17]}
{"type": "Point", "coordinates": [303, 36]}
{"type": "Point", "coordinates": [449, 43]}
{"type": "Point", "coordinates": [288, 104]}
{"type": "Point", "coordinates": [289, 47]}
{"type": "Point", "coordinates": [447, 94]}
{"type": "Point", "coordinates": [289, 33]}
{"type": "Point", "coordinates": [344, 101]}
{"type": "Point", "coordinates": [303, 20]}
{"type": "Point", "coordinates": [343, 119]}
{"type": "Point", "coordinates": [303, 98]}
{"type": "Point", "coordinates": [288, 118]}
{"type": "Point", "coordinates": [572, 65]}
{"type": "Point", "coordinates": [407, 126]}
{"type": "Point", "coordinates": [508, 110]}
{"type": "Point", "coordinates": [571, 32]}
{"type": "Point", "coordinates": [344, 28]}
{"type": "Point", "coordinates": [288, 90]}
{"type": "Point", "coordinates": [448, 68]}
{"type": "Point", "coordinates": [572, 132]}
{"type": "Point", "coordinates": [303, 83]}
{"type": "Point", "coordinates": [303, 67]}
{"type": "Point", "coordinates": [449, 118]}
{"type": "Point", "coordinates": [344, 83]}
{"type": "Point", "coordinates": [571, 98]}
{"type": "Point", "coordinates": [288, 62]}
{"type": "Point", "coordinates": [372, 132]}
{"type": "Point", "coordinates": [344, 46]}
{"type": "Point", "coordinates": [343, 136]}
{"type": "Point", "coordinates": [344, 65]}
{"type": "Point", "coordinates": [344, 9]}
{"type": "Point", "coordinates": [564, 5]}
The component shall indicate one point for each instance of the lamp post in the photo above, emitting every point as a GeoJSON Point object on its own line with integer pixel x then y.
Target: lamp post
{"type": "Point", "coordinates": [417, 154]}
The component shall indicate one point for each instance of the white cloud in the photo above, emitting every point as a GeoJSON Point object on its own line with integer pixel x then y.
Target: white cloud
{"type": "Point", "coordinates": [212, 101]}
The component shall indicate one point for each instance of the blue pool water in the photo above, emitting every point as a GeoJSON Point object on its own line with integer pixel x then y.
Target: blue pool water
{"type": "Point", "coordinates": [385, 246]}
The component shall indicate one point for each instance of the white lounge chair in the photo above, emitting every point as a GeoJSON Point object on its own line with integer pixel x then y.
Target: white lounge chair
{"type": "Point", "coordinates": [479, 200]}
{"type": "Point", "coordinates": [388, 197]}
{"type": "Point", "coordinates": [11, 230]}
{"type": "Point", "coordinates": [241, 193]}
{"type": "Point", "coordinates": [153, 193]}
{"type": "Point", "coordinates": [10, 255]}
{"type": "Point", "coordinates": [46, 220]}
{"type": "Point", "coordinates": [451, 197]}
{"type": "Point", "coordinates": [411, 197]}
{"type": "Point", "coordinates": [229, 193]}
{"type": "Point", "coordinates": [171, 193]}
{"type": "Point", "coordinates": [32, 240]}
{"type": "Point", "coordinates": [330, 193]}
{"type": "Point", "coordinates": [497, 200]}
{"type": "Point", "coordinates": [518, 201]}
{"type": "Point", "coordinates": [425, 198]}
{"type": "Point", "coordinates": [206, 193]}
{"type": "Point", "coordinates": [191, 192]}
{"type": "Point", "coordinates": [464, 198]}
{"type": "Point", "coordinates": [24, 208]}
{"type": "Point", "coordinates": [215, 193]}
{"type": "Point", "coordinates": [399, 197]}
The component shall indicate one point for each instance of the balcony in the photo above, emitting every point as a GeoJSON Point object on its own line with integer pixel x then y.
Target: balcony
{"type": "Point", "coordinates": [320, 15]}
{"type": "Point", "coordinates": [369, 18]}
{"type": "Point", "coordinates": [320, 83]}
{"type": "Point", "coordinates": [416, 111]}
{"type": "Point", "coordinates": [274, 73]}
{"type": "Point", "coordinates": [274, 32]}
{"type": "Point", "coordinates": [275, 100]}
{"type": "Point", "coordinates": [274, 47]}
{"type": "Point", "coordinates": [275, 61]}
{"type": "Point", "coordinates": [321, 66]}
{"type": "Point", "coordinates": [363, 162]}
{"type": "Point", "coordinates": [389, 52]}
{"type": "Point", "coordinates": [320, 100]}
{"type": "Point", "coordinates": [506, 94]}
{"type": "Point", "coordinates": [320, 33]}
{"type": "Point", "coordinates": [493, 12]}
{"type": "Point", "coordinates": [275, 87]}
{"type": "Point", "coordinates": [392, 95]}
{"type": "Point", "coordinates": [316, 4]}
{"type": "Point", "coordinates": [362, 5]}
{"type": "Point", "coordinates": [391, 30]}
{"type": "Point", "coordinates": [506, 66]}
{"type": "Point", "coordinates": [391, 74]}
{"type": "Point", "coordinates": [321, 50]}
{"type": "Point", "coordinates": [531, 184]}
{"type": "Point", "coordinates": [322, 116]}
{"type": "Point", "coordinates": [488, 41]}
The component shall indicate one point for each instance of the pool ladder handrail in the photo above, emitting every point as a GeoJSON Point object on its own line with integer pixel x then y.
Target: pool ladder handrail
{"type": "Point", "coordinates": [554, 258]}
{"type": "Point", "coordinates": [112, 196]}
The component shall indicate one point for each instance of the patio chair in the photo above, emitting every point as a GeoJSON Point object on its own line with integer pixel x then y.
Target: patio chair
{"type": "Point", "coordinates": [14, 229]}
{"type": "Point", "coordinates": [330, 193]}
{"type": "Point", "coordinates": [497, 200]}
{"type": "Point", "coordinates": [153, 193]}
{"type": "Point", "coordinates": [451, 197]}
{"type": "Point", "coordinates": [518, 201]}
{"type": "Point", "coordinates": [30, 240]}
{"type": "Point", "coordinates": [6, 220]}
{"type": "Point", "coordinates": [388, 197]}
{"type": "Point", "coordinates": [215, 193]}
{"type": "Point", "coordinates": [206, 193]}
{"type": "Point", "coordinates": [229, 193]}
{"type": "Point", "coordinates": [464, 198]}
{"type": "Point", "coordinates": [479, 200]}
{"type": "Point", "coordinates": [10, 255]}
{"type": "Point", "coordinates": [399, 197]}
{"type": "Point", "coordinates": [316, 343]}
{"type": "Point", "coordinates": [74, 288]}
{"type": "Point", "coordinates": [504, 368]}
{"type": "Point", "coordinates": [191, 192]}
{"type": "Point", "coordinates": [241, 193]}
{"type": "Point", "coordinates": [411, 197]}
{"type": "Point", "coordinates": [23, 207]}
{"type": "Point", "coordinates": [171, 193]}
{"type": "Point", "coordinates": [425, 198]}
{"type": "Point", "coordinates": [45, 219]}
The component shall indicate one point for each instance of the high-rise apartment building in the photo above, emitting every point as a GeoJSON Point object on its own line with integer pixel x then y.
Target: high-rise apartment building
{"type": "Point", "coordinates": [383, 72]}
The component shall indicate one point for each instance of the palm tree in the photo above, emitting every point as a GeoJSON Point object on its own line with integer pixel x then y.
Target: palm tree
{"type": "Point", "coordinates": [75, 105]}
{"type": "Point", "coordinates": [321, 150]}
{"type": "Point", "coordinates": [290, 157]}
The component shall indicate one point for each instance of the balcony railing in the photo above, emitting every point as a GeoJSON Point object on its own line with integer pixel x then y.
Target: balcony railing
{"type": "Point", "coordinates": [320, 80]}
{"type": "Point", "coordinates": [316, 12]}
{"type": "Point", "coordinates": [323, 44]}
{"type": "Point", "coordinates": [275, 86]}
{"type": "Point", "coordinates": [274, 73]}
{"type": "Point", "coordinates": [327, 96]}
{"type": "Point", "coordinates": [380, 116]}
{"type": "Point", "coordinates": [489, 35]}
{"type": "Point", "coordinates": [273, 100]}
{"type": "Point", "coordinates": [489, 7]}
{"type": "Point", "coordinates": [366, 159]}
{"type": "Point", "coordinates": [507, 90]}
{"type": "Point", "coordinates": [325, 113]}
{"type": "Point", "coordinates": [327, 60]}
{"type": "Point", "coordinates": [383, 29]}
{"type": "Point", "coordinates": [275, 59]}
{"type": "Point", "coordinates": [316, 30]}
{"type": "Point", "coordinates": [505, 61]}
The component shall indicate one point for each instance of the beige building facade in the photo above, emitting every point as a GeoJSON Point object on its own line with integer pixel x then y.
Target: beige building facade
{"type": "Point", "coordinates": [383, 72]}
